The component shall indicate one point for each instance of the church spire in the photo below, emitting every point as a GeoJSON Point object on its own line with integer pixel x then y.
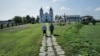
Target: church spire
{"type": "Point", "coordinates": [51, 13]}
{"type": "Point", "coordinates": [51, 9]}
{"type": "Point", "coordinates": [41, 9]}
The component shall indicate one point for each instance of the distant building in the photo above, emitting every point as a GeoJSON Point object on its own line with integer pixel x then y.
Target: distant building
{"type": "Point", "coordinates": [46, 17]}
{"type": "Point", "coordinates": [73, 18]}
{"type": "Point", "coordinates": [87, 17]}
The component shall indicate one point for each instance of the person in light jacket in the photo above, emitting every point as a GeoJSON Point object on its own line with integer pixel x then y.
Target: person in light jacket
{"type": "Point", "coordinates": [44, 29]}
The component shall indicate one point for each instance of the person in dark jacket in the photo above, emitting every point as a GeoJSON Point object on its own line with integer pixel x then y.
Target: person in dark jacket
{"type": "Point", "coordinates": [51, 27]}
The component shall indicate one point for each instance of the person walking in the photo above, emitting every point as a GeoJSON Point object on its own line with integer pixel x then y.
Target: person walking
{"type": "Point", "coordinates": [51, 27]}
{"type": "Point", "coordinates": [44, 28]}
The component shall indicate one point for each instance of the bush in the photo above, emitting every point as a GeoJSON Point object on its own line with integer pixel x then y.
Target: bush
{"type": "Point", "coordinates": [85, 22]}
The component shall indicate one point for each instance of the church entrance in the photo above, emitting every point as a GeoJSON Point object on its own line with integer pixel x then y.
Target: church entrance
{"type": "Point", "coordinates": [46, 19]}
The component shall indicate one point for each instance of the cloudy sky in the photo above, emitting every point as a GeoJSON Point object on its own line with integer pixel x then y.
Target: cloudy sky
{"type": "Point", "coordinates": [11, 8]}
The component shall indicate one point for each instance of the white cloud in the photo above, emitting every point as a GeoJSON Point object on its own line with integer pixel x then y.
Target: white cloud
{"type": "Point", "coordinates": [89, 8]}
{"type": "Point", "coordinates": [97, 9]}
{"type": "Point", "coordinates": [58, 0]}
{"type": "Point", "coordinates": [64, 8]}
{"type": "Point", "coordinates": [47, 7]}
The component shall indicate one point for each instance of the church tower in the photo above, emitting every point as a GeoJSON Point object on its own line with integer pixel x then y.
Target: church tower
{"type": "Point", "coordinates": [41, 14]}
{"type": "Point", "coordinates": [51, 13]}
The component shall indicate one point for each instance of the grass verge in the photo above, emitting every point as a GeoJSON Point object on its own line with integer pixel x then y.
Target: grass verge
{"type": "Point", "coordinates": [21, 41]}
{"type": "Point", "coordinates": [75, 42]}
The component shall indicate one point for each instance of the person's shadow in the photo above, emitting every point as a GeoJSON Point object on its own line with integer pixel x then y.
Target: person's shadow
{"type": "Point", "coordinates": [56, 35]}
{"type": "Point", "coordinates": [53, 35]}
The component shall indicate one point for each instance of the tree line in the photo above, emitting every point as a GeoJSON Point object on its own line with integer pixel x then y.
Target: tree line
{"type": "Point", "coordinates": [25, 20]}
{"type": "Point", "coordinates": [19, 20]}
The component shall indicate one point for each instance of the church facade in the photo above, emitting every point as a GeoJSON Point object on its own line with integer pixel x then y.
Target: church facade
{"type": "Point", "coordinates": [46, 17]}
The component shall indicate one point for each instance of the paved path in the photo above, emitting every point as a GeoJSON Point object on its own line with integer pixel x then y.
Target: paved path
{"type": "Point", "coordinates": [49, 46]}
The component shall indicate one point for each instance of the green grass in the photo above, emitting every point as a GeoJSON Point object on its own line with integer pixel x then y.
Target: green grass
{"type": "Point", "coordinates": [92, 34]}
{"type": "Point", "coordinates": [60, 31]}
{"type": "Point", "coordinates": [25, 40]}
{"type": "Point", "coordinates": [79, 39]}
{"type": "Point", "coordinates": [21, 40]}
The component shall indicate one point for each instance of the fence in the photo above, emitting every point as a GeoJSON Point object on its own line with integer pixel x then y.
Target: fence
{"type": "Point", "coordinates": [7, 25]}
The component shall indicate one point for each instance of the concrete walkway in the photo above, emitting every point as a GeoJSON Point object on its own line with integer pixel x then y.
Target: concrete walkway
{"type": "Point", "coordinates": [49, 46]}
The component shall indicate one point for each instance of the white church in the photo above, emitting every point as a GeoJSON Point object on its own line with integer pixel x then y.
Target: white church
{"type": "Point", "coordinates": [46, 17]}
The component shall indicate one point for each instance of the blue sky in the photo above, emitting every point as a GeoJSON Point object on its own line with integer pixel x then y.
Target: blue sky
{"type": "Point", "coordinates": [11, 8]}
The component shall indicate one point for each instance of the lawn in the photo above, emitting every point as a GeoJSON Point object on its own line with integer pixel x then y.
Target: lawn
{"type": "Point", "coordinates": [79, 40]}
{"type": "Point", "coordinates": [24, 40]}
{"type": "Point", "coordinates": [92, 34]}
{"type": "Point", "coordinates": [75, 39]}
{"type": "Point", "coordinates": [59, 34]}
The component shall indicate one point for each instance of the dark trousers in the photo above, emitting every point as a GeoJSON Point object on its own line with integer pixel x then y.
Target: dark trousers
{"type": "Point", "coordinates": [51, 32]}
{"type": "Point", "coordinates": [44, 31]}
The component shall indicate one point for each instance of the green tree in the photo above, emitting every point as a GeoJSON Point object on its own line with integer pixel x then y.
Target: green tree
{"type": "Point", "coordinates": [37, 19]}
{"type": "Point", "coordinates": [33, 20]}
{"type": "Point", "coordinates": [24, 20]}
{"type": "Point", "coordinates": [18, 19]}
{"type": "Point", "coordinates": [28, 19]}
{"type": "Point", "coordinates": [56, 17]}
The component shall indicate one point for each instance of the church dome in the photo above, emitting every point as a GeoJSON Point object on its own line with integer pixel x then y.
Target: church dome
{"type": "Point", "coordinates": [46, 13]}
